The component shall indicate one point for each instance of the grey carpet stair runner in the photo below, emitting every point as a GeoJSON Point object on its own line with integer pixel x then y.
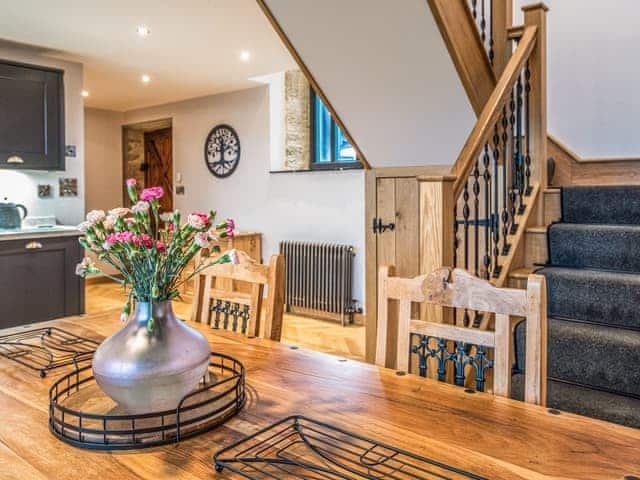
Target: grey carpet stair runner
{"type": "Point", "coordinates": [593, 287]}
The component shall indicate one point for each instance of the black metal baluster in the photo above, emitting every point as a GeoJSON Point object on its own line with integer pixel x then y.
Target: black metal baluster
{"type": "Point", "coordinates": [527, 158]}
{"type": "Point", "coordinates": [505, 213]}
{"type": "Point", "coordinates": [476, 229]}
{"type": "Point", "coordinates": [486, 163]}
{"type": "Point", "coordinates": [483, 24]}
{"type": "Point", "coordinates": [476, 220]}
{"type": "Point", "coordinates": [520, 157]}
{"type": "Point", "coordinates": [495, 215]}
{"type": "Point", "coordinates": [491, 51]}
{"type": "Point", "coordinates": [465, 229]}
{"type": "Point", "coordinates": [474, 8]}
{"type": "Point", "coordinates": [512, 161]}
{"type": "Point", "coordinates": [455, 250]}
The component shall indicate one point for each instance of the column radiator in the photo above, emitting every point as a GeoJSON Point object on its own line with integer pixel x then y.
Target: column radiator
{"type": "Point", "coordinates": [319, 276]}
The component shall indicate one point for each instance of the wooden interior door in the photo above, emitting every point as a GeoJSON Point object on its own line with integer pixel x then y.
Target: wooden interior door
{"type": "Point", "coordinates": [397, 203]}
{"type": "Point", "coordinates": [158, 156]}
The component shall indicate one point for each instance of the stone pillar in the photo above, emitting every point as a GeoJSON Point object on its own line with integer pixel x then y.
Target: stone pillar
{"type": "Point", "coordinates": [297, 121]}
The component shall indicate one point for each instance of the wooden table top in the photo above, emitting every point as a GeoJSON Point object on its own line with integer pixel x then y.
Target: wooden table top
{"type": "Point", "coordinates": [489, 436]}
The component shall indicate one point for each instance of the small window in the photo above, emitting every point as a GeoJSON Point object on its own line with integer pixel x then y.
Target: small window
{"type": "Point", "coordinates": [330, 149]}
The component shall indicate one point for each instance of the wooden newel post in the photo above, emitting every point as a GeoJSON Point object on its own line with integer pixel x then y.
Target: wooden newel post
{"type": "Point", "coordinates": [536, 15]}
{"type": "Point", "coordinates": [436, 234]}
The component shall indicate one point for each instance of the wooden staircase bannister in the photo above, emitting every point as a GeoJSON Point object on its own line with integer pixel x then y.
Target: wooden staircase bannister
{"type": "Point", "coordinates": [483, 128]}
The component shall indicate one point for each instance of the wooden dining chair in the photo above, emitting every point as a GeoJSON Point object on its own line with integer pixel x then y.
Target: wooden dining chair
{"type": "Point", "coordinates": [218, 303]}
{"type": "Point", "coordinates": [460, 346]}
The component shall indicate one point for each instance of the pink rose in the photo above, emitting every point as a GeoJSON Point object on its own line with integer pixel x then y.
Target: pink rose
{"type": "Point", "coordinates": [160, 246]}
{"type": "Point", "coordinates": [151, 193]}
{"type": "Point", "coordinates": [131, 182]}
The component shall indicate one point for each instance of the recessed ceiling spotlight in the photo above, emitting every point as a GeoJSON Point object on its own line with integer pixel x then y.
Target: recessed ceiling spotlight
{"type": "Point", "coordinates": [245, 56]}
{"type": "Point", "coordinates": [85, 93]}
{"type": "Point", "coordinates": [146, 78]}
{"type": "Point", "coordinates": [143, 30]}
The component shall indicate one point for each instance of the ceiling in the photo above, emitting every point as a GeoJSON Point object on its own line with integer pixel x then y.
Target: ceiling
{"type": "Point", "coordinates": [194, 48]}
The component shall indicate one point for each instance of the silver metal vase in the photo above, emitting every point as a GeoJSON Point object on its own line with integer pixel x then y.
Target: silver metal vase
{"type": "Point", "coordinates": [149, 371]}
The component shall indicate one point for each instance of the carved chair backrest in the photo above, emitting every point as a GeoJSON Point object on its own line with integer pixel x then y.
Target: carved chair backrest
{"type": "Point", "coordinates": [459, 289]}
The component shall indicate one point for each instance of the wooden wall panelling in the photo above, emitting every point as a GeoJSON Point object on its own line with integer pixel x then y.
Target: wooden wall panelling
{"type": "Point", "coordinates": [371, 265]}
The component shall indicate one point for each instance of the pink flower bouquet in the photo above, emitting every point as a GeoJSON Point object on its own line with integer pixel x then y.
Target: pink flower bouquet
{"type": "Point", "coordinates": [148, 248]}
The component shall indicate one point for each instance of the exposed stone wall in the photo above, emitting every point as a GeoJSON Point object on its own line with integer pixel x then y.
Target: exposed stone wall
{"type": "Point", "coordinates": [134, 155]}
{"type": "Point", "coordinates": [297, 121]}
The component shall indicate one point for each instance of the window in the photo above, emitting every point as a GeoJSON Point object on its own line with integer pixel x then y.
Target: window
{"type": "Point", "coordinates": [330, 149]}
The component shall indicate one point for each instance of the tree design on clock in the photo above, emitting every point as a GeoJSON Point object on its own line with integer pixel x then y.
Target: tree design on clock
{"type": "Point", "coordinates": [222, 151]}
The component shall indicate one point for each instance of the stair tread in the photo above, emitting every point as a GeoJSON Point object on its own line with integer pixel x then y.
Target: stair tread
{"type": "Point", "coordinates": [537, 229]}
{"type": "Point", "coordinates": [597, 296]}
{"type": "Point", "coordinates": [570, 344]}
{"type": "Point", "coordinates": [617, 205]}
{"type": "Point", "coordinates": [586, 401]}
{"type": "Point", "coordinates": [597, 246]}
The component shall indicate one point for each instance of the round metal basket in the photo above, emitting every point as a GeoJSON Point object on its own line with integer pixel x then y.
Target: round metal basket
{"type": "Point", "coordinates": [97, 424]}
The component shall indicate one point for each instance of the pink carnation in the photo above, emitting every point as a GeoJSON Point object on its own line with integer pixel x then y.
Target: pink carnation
{"type": "Point", "coordinates": [160, 246]}
{"type": "Point", "coordinates": [171, 227]}
{"type": "Point", "coordinates": [131, 182]}
{"type": "Point", "coordinates": [151, 193]}
{"type": "Point", "coordinates": [231, 224]}
{"type": "Point", "coordinates": [146, 240]}
{"type": "Point", "coordinates": [198, 221]}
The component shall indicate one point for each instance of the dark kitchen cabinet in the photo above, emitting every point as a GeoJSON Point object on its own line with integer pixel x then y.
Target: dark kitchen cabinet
{"type": "Point", "coordinates": [38, 280]}
{"type": "Point", "coordinates": [31, 117]}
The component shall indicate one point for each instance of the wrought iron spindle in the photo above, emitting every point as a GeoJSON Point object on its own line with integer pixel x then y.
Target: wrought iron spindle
{"type": "Point", "coordinates": [483, 23]}
{"type": "Point", "coordinates": [474, 8]}
{"type": "Point", "coordinates": [486, 163]}
{"type": "Point", "coordinates": [519, 158]}
{"type": "Point", "coordinates": [495, 215]}
{"type": "Point", "coordinates": [465, 229]}
{"type": "Point", "coordinates": [476, 219]}
{"type": "Point", "coordinates": [505, 213]}
{"type": "Point", "coordinates": [512, 161]}
{"type": "Point", "coordinates": [491, 44]}
{"type": "Point", "coordinates": [527, 158]}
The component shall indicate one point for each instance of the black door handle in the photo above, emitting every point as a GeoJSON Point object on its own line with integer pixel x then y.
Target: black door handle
{"type": "Point", "coordinates": [379, 227]}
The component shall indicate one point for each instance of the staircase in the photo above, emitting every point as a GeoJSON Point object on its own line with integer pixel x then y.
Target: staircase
{"type": "Point", "coordinates": [593, 287]}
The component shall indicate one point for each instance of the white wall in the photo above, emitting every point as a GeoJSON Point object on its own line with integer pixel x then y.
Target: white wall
{"type": "Point", "coordinates": [22, 187]}
{"type": "Point", "coordinates": [316, 206]}
{"type": "Point", "coordinates": [594, 101]}
{"type": "Point", "coordinates": [386, 70]}
{"type": "Point", "coordinates": [103, 159]}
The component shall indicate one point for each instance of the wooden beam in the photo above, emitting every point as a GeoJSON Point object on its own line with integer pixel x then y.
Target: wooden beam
{"type": "Point", "coordinates": [460, 34]}
{"type": "Point", "coordinates": [314, 84]}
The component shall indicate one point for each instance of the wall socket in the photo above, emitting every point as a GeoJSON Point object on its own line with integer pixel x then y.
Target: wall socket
{"type": "Point", "coordinates": [180, 190]}
{"type": "Point", "coordinates": [70, 151]}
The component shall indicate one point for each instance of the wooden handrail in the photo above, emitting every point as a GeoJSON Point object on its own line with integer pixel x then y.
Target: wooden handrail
{"type": "Point", "coordinates": [483, 128]}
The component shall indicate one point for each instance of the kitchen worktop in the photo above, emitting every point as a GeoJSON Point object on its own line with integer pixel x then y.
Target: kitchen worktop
{"type": "Point", "coordinates": [38, 232]}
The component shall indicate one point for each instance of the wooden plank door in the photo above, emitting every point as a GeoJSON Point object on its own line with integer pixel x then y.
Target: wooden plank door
{"type": "Point", "coordinates": [158, 153]}
{"type": "Point", "coordinates": [397, 202]}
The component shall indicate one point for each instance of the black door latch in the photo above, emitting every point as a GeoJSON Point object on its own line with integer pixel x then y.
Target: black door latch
{"type": "Point", "coordinates": [379, 227]}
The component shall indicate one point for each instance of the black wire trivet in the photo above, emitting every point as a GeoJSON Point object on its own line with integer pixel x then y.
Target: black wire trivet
{"type": "Point", "coordinates": [220, 395]}
{"type": "Point", "coordinates": [44, 349]}
{"type": "Point", "coordinates": [298, 447]}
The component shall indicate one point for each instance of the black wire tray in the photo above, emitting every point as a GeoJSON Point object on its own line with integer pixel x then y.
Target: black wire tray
{"type": "Point", "coordinates": [45, 349]}
{"type": "Point", "coordinates": [82, 416]}
{"type": "Point", "coordinates": [298, 447]}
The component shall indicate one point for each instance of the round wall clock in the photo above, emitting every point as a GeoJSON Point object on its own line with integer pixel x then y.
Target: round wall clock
{"type": "Point", "coordinates": [222, 151]}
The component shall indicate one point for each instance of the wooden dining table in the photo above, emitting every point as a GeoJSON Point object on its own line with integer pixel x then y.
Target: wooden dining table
{"type": "Point", "coordinates": [492, 437]}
